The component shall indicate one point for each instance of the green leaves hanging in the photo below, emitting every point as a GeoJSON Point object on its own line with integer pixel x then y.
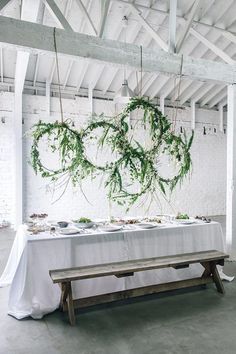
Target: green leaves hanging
{"type": "Point", "coordinates": [131, 159]}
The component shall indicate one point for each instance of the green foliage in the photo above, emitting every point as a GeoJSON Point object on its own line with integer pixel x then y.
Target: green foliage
{"type": "Point", "coordinates": [82, 220]}
{"type": "Point", "coordinates": [133, 160]}
{"type": "Point", "coordinates": [182, 216]}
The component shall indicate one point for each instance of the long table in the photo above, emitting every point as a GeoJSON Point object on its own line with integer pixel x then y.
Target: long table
{"type": "Point", "coordinates": [32, 292]}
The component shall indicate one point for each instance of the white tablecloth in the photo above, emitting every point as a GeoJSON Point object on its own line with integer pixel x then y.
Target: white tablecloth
{"type": "Point", "coordinates": [32, 292]}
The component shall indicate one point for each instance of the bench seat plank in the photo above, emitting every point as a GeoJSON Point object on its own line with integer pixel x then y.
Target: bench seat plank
{"type": "Point", "coordinates": [116, 268]}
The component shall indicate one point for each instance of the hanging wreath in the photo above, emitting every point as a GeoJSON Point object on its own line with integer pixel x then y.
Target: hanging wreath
{"type": "Point", "coordinates": [133, 160]}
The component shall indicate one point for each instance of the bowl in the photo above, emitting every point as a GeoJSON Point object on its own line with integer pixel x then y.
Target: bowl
{"type": "Point", "coordinates": [62, 224]}
{"type": "Point", "coordinates": [84, 225]}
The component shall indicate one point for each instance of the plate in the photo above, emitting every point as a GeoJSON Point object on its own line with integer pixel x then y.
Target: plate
{"type": "Point", "coordinates": [69, 231]}
{"type": "Point", "coordinates": [109, 228]}
{"type": "Point", "coordinates": [146, 225]}
{"type": "Point", "coordinates": [185, 221]}
{"type": "Point", "coordinates": [84, 225]}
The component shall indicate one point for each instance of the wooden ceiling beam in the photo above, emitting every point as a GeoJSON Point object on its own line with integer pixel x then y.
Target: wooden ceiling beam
{"type": "Point", "coordinates": [36, 38]}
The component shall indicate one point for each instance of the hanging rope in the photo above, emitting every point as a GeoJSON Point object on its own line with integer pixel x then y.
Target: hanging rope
{"type": "Point", "coordinates": [141, 70]}
{"type": "Point", "coordinates": [58, 74]}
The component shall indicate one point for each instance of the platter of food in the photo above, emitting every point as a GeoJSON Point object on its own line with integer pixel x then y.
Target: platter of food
{"type": "Point", "coordinates": [184, 219]}
{"type": "Point", "coordinates": [83, 223]}
{"type": "Point", "coordinates": [125, 221]}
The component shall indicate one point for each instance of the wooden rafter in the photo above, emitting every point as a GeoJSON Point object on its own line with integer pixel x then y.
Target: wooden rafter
{"type": "Point", "coordinates": [68, 73]}
{"type": "Point", "coordinates": [188, 24]}
{"type": "Point", "coordinates": [39, 38]}
{"type": "Point", "coordinates": [4, 3]}
{"type": "Point", "coordinates": [104, 11]}
{"type": "Point", "coordinates": [132, 38]}
{"type": "Point", "coordinates": [87, 16]}
{"type": "Point", "coordinates": [148, 27]}
{"type": "Point", "coordinates": [219, 52]}
{"type": "Point", "coordinates": [213, 91]}
{"type": "Point", "coordinates": [67, 10]}
{"type": "Point", "coordinates": [172, 26]}
{"type": "Point", "coordinates": [218, 98]}
{"type": "Point", "coordinates": [57, 14]}
{"type": "Point", "coordinates": [168, 85]}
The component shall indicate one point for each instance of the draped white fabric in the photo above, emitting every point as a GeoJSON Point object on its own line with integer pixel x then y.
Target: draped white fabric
{"type": "Point", "coordinates": [32, 292]}
{"type": "Point", "coordinates": [14, 257]}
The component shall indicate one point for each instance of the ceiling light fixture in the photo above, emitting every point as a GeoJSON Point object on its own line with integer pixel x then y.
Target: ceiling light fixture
{"type": "Point", "coordinates": [124, 94]}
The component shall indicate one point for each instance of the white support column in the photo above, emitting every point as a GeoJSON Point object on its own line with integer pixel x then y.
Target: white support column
{"type": "Point", "coordinates": [21, 68]}
{"type": "Point", "coordinates": [193, 114]}
{"type": "Point", "coordinates": [90, 97]}
{"type": "Point", "coordinates": [18, 160]}
{"type": "Point", "coordinates": [231, 173]}
{"type": "Point", "coordinates": [1, 60]}
{"type": "Point", "coordinates": [221, 118]}
{"type": "Point", "coordinates": [48, 103]}
{"type": "Point", "coordinates": [162, 104]}
{"type": "Point", "coordinates": [28, 12]}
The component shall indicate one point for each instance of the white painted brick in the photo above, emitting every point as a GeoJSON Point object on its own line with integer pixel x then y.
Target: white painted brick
{"type": "Point", "coordinates": [204, 193]}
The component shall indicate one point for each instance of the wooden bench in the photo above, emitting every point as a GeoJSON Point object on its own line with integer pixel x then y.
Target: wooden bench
{"type": "Point", "coordinates": [208, 259]}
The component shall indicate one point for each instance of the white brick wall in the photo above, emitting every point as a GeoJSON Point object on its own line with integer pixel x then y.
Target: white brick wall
{"type": "Point", "coordinates": [6, 157]}
{"type": "Point", "coordinates": [204, 193]}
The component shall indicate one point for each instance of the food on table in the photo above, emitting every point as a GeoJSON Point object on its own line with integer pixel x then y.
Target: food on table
{"type": "Point", "coordinates": [82, 220]}
{"type": "Point", "coordinates": [83, 223]}
{"type": "Point", "coordinates": [203, 218]}
{"type": "Point", "coordinates": [131, 221]}
{"type": "Point", "coordinates": [136, 221]}
{"type": "Point", "coordinates": [38, 216]}
{"type": "Point", "coordinates": [125, 221]}
{"type": "Point", "coordinates": [182, 216]}
{"type": "Point", "coordinates": [155, 219]}
{"type": "Point", "coordinates": [36, 229]}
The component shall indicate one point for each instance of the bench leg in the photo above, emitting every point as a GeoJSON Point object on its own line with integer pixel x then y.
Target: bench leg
{"type": "Point", "coordinates": [70, 305]}
{"type": "Point", "coordinates": [207, 271]}
{"type": "Point", "coordinates": [211, 270]}
{"type": "Point", "coordinates": [216, 278]}
{"type": "Point", "coordinates": [64, 293]}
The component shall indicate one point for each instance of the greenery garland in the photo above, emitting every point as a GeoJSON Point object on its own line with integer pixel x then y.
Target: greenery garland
{"type": "Point", "coordinates": [139, 163]}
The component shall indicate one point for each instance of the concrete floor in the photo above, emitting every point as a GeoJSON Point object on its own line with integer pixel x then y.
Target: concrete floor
{"type": "Point", "coordinates": [193, 321]}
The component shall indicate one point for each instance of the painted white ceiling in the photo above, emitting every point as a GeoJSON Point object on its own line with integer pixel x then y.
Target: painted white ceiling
{"type": "Point", "coordinates": [77, 76]}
